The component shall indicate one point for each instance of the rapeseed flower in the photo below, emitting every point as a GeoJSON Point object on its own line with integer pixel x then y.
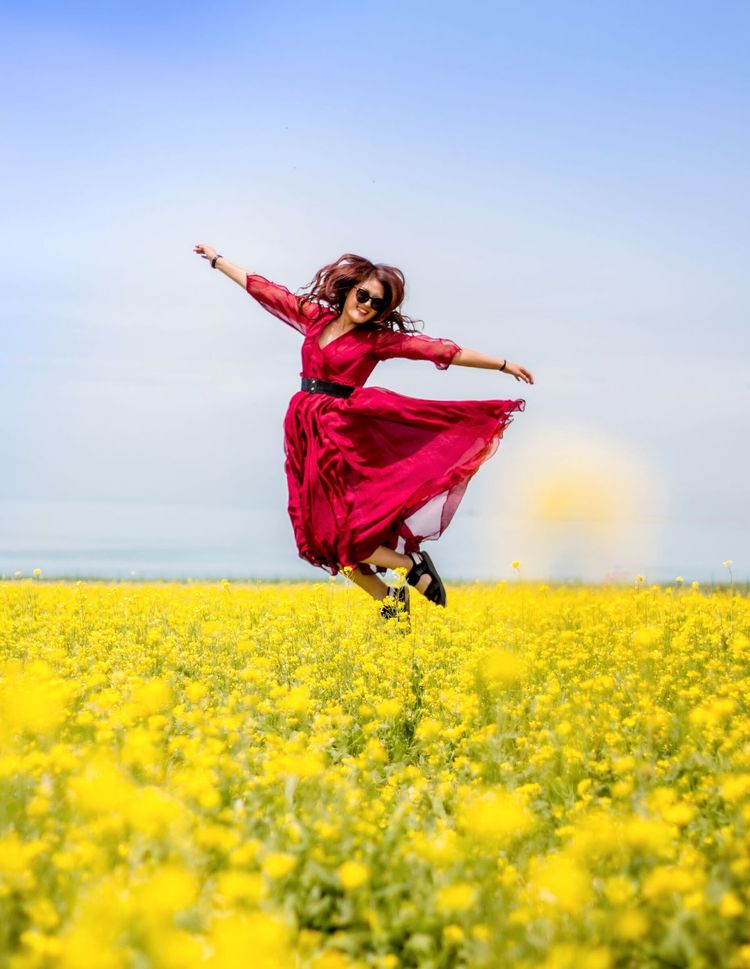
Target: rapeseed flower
{"type": "Point", "coordinates": [458, 897]}
{"type": "Point", "coordinates": [496, 817]}
{"type": "Point", "coordinates": [235, 938]}
{"type": "Point", "coordinates": [352, 875]}
{"type": "Point", "coordinates": [190, 772]}
{"type": "Point", "coordinates": [278, 864]}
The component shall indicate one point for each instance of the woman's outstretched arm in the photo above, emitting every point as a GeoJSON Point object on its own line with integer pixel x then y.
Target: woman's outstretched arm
{"type": "Point", "coordinates": [272, 296]}
{"type": "Point", "coordinates": [237, 273]}
{"type": "Point", "coordinates": [471, 358]}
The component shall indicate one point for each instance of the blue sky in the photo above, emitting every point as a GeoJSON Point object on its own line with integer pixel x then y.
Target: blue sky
{"type": "Point", "coordinates": [563, 184]}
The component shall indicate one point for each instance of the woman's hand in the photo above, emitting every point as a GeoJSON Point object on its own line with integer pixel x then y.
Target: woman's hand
{"type": "Point", "coordinates": [208, 252]}
{"type": "Point", "coordinates": [237, 273]}
{"type": "Point", "coordinates": [519, 372]}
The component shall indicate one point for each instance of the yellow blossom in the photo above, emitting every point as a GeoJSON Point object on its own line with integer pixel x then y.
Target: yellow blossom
{"type": "Point", "coordinates": [457, 897]}
{"type": "Point", "coordinates": [730, 906]}
{"type": "Point", "coordinates": [666, 879]}
{"type": "Point", "coordinates": [152, 696]}
{"type": "Point", "coordinates": [453, 933]}
{"type": "Point", "coordinates": [278, 864]}
{"type": "Point", "coordinates": [352, 874]}
{"type": "Point", "coordinates": [234, 886]}
{"type": "Point", "coordinates": [631, 924]}
{"type": "Point", "coordinates": [559, 881]}
{"type": "Point", "coordinates": [177, 758]}
{"type": "Point", "coordinates": [233, 937]}
{"type": "Point", "coordinates": [495, 816]}
{"type": "Point", "coordinates": [500, 667]}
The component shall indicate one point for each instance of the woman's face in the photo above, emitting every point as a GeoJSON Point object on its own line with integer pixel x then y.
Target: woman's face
{"type": "Point", "coordinates": [363, 312]}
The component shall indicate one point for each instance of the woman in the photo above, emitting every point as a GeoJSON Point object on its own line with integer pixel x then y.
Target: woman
{"type": "Point", "coordinates": [371, 473]}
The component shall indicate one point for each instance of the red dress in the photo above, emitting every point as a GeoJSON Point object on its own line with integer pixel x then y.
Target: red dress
{"type": "Point", "coordinates": [374, 468]}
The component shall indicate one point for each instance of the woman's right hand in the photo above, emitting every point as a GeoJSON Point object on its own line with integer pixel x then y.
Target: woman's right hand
{"type": "Point", "coordinates": [208, 252]}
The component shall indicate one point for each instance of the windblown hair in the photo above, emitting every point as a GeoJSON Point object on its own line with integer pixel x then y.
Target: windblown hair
{"type": "Point", "coordinates": [333, 282]}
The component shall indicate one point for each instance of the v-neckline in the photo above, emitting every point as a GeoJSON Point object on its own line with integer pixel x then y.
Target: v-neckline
{"type": "Point", "coordinates": [339, 337]}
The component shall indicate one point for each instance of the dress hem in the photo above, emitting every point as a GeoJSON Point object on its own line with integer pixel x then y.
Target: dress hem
{"type": "Point", "coordinates": [398, 533]}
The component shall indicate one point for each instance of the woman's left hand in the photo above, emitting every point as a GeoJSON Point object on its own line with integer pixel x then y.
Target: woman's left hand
{"type": "Point", "coordinates": [519, 372]}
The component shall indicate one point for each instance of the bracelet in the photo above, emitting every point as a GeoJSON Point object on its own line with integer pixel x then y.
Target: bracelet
{"type": "Point", "coordinates": [504, 363]}
{"type": "Point", "coordinates": [213, 261]}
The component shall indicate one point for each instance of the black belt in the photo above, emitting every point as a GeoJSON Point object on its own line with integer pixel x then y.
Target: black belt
{"type": "Point", "coordinates": [315, 385]}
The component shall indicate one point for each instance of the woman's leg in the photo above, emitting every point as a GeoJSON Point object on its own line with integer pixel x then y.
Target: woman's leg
{"type": "Point", "coordinates": [395, 560]}
{"type": "Point", "coordinates": [370, 583]}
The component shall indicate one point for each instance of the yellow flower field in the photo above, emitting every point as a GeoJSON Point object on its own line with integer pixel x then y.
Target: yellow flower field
{"type": "Point", "coordinates": [234, 776]}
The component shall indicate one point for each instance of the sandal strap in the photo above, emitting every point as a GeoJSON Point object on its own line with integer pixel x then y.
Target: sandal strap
{"type": "Point", "coordinates": [417, 570]}
{"type": "Point", "coordinates": [432, 589]}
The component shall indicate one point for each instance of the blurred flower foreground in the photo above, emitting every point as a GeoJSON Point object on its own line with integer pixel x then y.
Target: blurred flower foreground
{"type": "Point", "coordinates": [237, 776]}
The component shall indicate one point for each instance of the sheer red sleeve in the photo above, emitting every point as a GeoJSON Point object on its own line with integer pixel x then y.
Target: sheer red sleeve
{"type": "Point", "coordinates": [415, 346]}
{"type": "Point", "coordinates": [278, 300]}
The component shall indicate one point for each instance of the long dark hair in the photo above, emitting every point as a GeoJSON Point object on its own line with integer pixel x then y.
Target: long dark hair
{"type": "Point", "coordinates": [332, 283]}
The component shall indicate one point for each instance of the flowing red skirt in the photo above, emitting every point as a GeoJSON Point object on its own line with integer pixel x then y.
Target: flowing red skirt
{"type": "Point", "coordinates": [380, 468]}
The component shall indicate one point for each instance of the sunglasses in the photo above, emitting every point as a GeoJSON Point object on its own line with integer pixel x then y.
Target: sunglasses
{"type": "Point", "coordinates": [377, 302]}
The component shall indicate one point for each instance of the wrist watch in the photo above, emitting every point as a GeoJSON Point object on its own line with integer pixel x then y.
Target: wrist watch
{"type": "Point", "coordinates": [213, 261]}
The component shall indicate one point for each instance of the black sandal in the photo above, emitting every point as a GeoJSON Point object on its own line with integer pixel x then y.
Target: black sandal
{"type": "Point", "coordinates": [401, 605]}
{"type": "Point", "coordinates": [435, 591]}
